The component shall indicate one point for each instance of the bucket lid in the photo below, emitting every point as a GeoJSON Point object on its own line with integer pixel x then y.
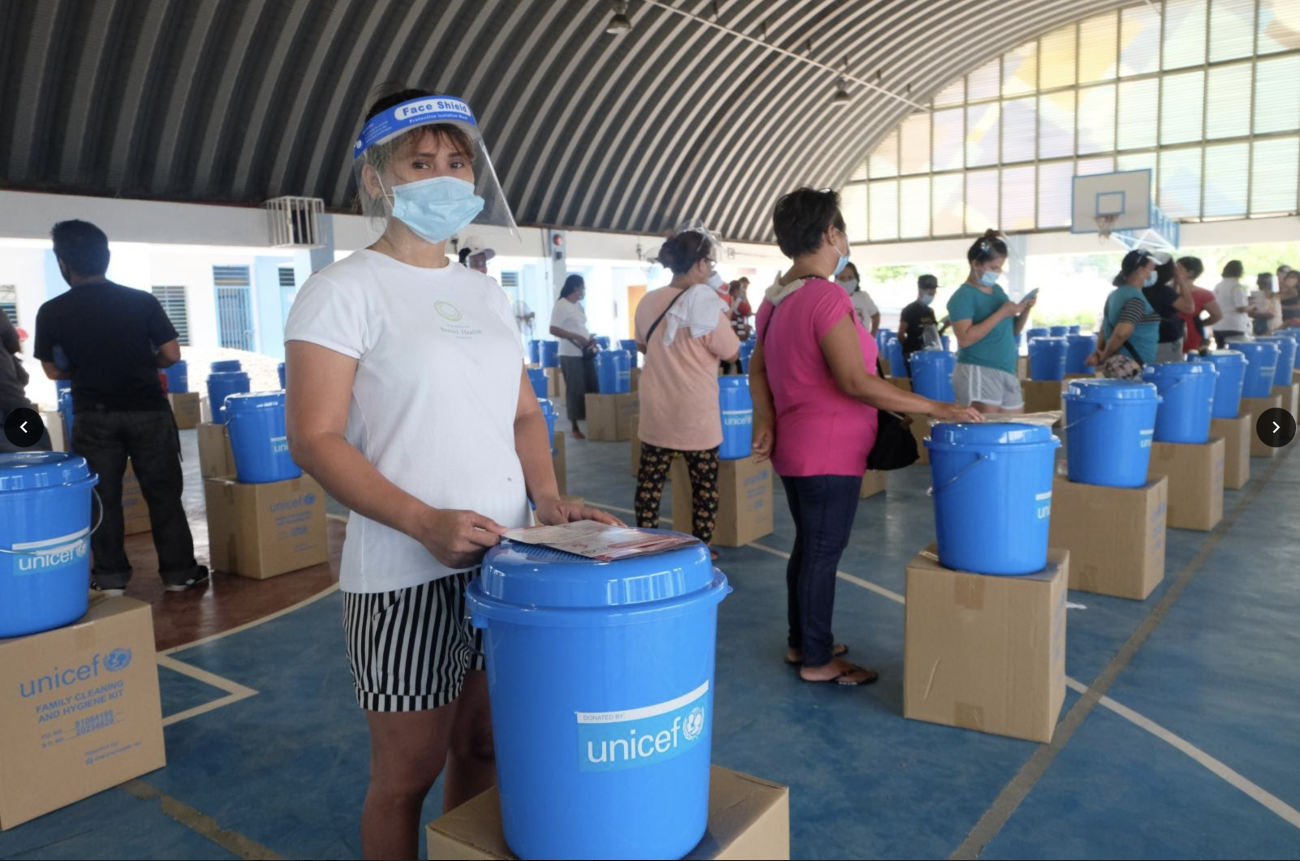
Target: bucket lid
{"type": "Point", "coordinates": [30, 470]}
{"type": "Point", "coordinates": [227, 375]}
{"type": "Point", "coordinates": [227, 365]}
{"type": "Point", "coordinates": [1078, 338]}
{"type": "Point", "coordinates": [245, 401]}
{"type": "Point", "coordinates": [937, 355]}
{"type": "Point", "coordinates": [1225, 357]}
{"type": "Point", "coordinates": [1053, 339]}
{"type": "Point", "coordinates": [1112, 390]}
{"type": "Point", "coordinates": [1179, 369]}
{"type": "Point", "coordinates": [1255, 347]}
{"type": "Point", "coordinates": [991, 433]}
{"type": "Point", "coordinates": [530, 576]}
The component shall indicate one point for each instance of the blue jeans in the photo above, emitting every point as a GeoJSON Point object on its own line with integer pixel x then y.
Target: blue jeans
{"type": "Point", "coordinates": [823, 508]}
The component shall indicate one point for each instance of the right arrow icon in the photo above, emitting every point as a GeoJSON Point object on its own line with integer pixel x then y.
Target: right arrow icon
{"type": "Point", "coordinates": [1275, 427]}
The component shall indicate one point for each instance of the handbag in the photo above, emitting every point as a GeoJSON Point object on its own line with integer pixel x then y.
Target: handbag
{"type": "Point", "coordinates": [895, 446]}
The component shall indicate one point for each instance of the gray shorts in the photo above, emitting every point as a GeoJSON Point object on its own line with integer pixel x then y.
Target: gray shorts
{"type": "Point", "coordinates": [976, 383]}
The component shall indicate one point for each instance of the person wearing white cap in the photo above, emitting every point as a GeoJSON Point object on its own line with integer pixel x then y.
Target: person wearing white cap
{"type": "Point", "coordinates": [475, 254]}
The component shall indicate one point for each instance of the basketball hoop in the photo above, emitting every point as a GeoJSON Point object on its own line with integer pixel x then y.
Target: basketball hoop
{"type": "Point", "coordinates": [1104, 225]}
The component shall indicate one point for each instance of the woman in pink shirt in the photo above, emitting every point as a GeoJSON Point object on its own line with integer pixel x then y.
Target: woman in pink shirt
{"type": "Point", "coordinates": [684, 330]}
{"type": "Point", "coordinates": [816, 392]}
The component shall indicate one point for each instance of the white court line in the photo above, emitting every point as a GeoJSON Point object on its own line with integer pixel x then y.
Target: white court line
{"type": "Point", "coordinates": [843, 575]}
{"type": "Point", "coordinates": [234, 691]}
{"type": "Point", "coordinates": [328, 590]}
{"type": "Point", "coordinates": [1249, 787]}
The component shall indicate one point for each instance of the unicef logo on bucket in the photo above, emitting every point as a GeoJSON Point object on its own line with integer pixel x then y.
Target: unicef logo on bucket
{"type": "Point", "coordinates": [613, 741]}
{"type": "Point", "coordinates": [51, 554]}
{"type": "Point", "coordinates": [279, 445]}
{"type": "Point", "coordinates": [448, 311]}
{"type": "Point", "coordinates": [117, 660]}
{"type": "Point", "coordinates": [737, 418]}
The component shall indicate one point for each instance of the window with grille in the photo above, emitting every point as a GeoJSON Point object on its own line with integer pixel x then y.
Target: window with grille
{"type": "Point", "coordinates": [9, 302]}
{"type": "Point", "coordinates": [172, 298]}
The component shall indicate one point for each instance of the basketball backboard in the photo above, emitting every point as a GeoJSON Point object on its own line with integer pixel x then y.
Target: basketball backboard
{"type": "Point", "coordinates": [1105, 202]}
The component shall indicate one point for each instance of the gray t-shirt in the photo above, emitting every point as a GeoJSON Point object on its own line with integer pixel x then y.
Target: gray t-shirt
{"type": "Point", "coordinates": [13, 383]}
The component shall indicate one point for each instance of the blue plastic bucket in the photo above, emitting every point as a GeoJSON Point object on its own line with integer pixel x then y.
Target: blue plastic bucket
{"type": "Point", "coordinates": [534, 352]}
{"type": "Point", "coordinates": [548, 413]}
{"type": "Point", "coordinates": [66, 408]}
{"type": "Point", "coordinates": [1231, 365]}
{"type": "Point", "coordinates": [894, 355]}
{"type": "Point", "coordinates": [280, 371]}
{"type": "Point", "coordinates": [226, 366]}
{"type": "Point", "coordinates": [606, 373]}
{"type": "Point", "coordinates": [1286, 347]}
{"type": "Point", "coordinates": [601, 681]}
{"type": "Point", "coordinates": [1047, 357]}
{"type": "Point", "coordinates": [1262, 367]}
{"type": "Point", "coordinates": [222, 384]}
{"type": "Point", "coordinates": [746, 351]}
{"type": "Point", "coordinates": [1077, 353]}
{"type": "Point", "coordinates": [992, 496]}
{"type": "Point", "coordinates": [1187, 400]}
{"type": "Point", "coordinates": [947, 345]}
{"type": "Point", "coordinates": [258, 439]}
{"type": "Point", "coordinates": [629, 347]}
{"type": "Point", "coordinates": [1111, 424]}
{"type": "Point", "coordinates": [882, 339]}
{"type": "Point", "coordinates": [550, 354]}
{"type": "Point", "coordinates": [44, 541]}
{"type": "Point", "coordinates": [603, 342]}
{"type": "Point", "coordinates": [537, 376]}
{"type": "Point", "coordinates": [1075, 330]}
{"type": "Point", "coordinates": [623, 364]}
{"type": "Point", "coordinates": [737, 408]}
{"type": "Point", "coordinates": [1294, 334]}
{"type": "Point", "coordinates": [178, 378]}
{"type": "Point", "coordinates": [62, 386]}
{"type": "Point", "coordinates": [1031, 334]}
{"type": "Point", "coordinates": [1059, 331]}
{"type": "Point", "coordinates": [932, 375]}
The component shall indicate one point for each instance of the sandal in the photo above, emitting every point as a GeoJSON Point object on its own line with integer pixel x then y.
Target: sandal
{"type": "Point", "coordinates": [844, 679]}
{"type": "Point", "coordinates": [577, 434]}
{"type": "Point", "coordinates": [838, 650]}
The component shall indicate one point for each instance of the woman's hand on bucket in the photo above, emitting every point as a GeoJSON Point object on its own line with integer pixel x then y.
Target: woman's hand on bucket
{"type": "Point", "coordinates": [457, 539]}
{"type": "Point", "coordinates": [555, 511]}
{"type": "Point", "coordinates": [955, 413]}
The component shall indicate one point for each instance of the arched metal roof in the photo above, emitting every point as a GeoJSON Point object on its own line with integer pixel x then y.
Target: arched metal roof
{"type": "Point", "coordinates": [238, 101]}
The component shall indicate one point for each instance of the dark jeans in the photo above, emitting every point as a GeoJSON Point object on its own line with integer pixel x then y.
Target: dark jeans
{"type": "Point", "coordinates": [823, 507]}
{"type": "Point", "coordinates": [150, 439]}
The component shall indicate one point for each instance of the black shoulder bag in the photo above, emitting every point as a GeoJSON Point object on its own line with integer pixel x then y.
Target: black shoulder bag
{"type": "Point", "coordinates": [660, 319]}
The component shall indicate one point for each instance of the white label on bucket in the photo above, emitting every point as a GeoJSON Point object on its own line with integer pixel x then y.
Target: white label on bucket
{"type": "Point", "coordinates": [612, 741]}
{"type": "Point", "coordinates": [1043, 496]}
{"type": "Point", "coordinates": [50, 554]}
{"type": "Point", "coordinates": [279, 445]}
{"type": "Point", "coordinates": [737, 418]}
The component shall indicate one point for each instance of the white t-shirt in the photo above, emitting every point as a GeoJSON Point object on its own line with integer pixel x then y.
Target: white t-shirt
{"type": "Point", "coordinates": [864, 307]}
{"type": "Point", "coordinates": [571, 317]}
{"type": "Point", "coordinates": [434, 400]}
{"type": "Point", "coordinates": [1231, 295]}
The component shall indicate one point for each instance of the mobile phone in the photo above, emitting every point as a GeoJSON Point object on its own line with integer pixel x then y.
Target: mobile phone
{"type": "Point", "coordinates": [1031, 294]}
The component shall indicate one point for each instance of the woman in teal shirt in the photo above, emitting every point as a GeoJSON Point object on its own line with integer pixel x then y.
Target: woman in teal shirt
{"type": "Point", "coordinates": [1130, 332]}
{"type": "Point", "coordinates": [987, 323]}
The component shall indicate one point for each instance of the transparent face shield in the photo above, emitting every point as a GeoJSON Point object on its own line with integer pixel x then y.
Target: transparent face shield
{"type": "Point", "coordinates": [424, 163]}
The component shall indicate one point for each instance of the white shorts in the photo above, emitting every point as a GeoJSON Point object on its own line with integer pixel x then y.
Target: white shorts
{"type": "Point", "coordinates": [976, 383]}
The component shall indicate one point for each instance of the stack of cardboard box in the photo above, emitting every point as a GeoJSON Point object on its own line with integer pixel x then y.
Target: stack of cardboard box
{"type": "Point", "coordinates": [744, 501]}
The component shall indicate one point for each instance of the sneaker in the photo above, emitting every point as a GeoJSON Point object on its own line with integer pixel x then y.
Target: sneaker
{"type": "Point", "coordinates": [112, 592]}
{"type": "Point", "coordinates": [200, 576]}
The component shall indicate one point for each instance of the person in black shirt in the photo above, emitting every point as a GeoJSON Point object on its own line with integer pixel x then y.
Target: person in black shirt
{"type": "Point", "coordinates": [918, 315]}
{"type": "Point", "coordinates": [115, 339]}
{"type": "Point", "coordinates": [1171, 296]}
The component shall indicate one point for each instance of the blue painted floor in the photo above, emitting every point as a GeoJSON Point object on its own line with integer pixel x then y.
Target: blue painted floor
{"type": "Point", "coordinates": [287, 768]}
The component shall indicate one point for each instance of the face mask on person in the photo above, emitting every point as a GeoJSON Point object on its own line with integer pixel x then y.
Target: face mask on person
{"type": "Point", "coordinates": [927, 298]}
{"type": "Point", "coordinates": [1151, 280]}
{"type": "Point", "coordinates": [849, 285]}
{"type": "Point", "coordinates": [989, 279]}
{"type": "Point", "coordinates": [844, 260]}
{"type": "Point", "coordinates": [436, 209]}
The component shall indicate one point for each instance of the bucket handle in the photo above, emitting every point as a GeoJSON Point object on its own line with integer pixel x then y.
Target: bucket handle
{"type": "Point", "coordinates": [93, 530]}
{"type": "Point", "coordinates": [933, 490]}
{"type": "Point", "coordinates": [1100, 407]}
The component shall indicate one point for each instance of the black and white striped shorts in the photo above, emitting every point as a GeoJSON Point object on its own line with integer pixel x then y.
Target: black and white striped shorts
{"type": "Point", "coordinates": [410, 648]}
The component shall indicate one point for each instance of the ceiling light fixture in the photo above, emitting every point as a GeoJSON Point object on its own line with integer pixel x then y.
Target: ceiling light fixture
{"type": "Point", "coordinates": [620, 23]}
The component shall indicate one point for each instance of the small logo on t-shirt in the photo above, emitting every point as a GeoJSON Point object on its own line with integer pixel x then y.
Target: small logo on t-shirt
{"type": "Point", "coordinates": [448, 312]}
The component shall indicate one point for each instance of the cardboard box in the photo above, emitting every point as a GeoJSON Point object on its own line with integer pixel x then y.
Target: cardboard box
{"type": "Point", "coordinates": [1236, 434]}
{"type": "Point", "coordinates": [612, 418]}
{"type": "Point", "coordinates": [1256, 407]}
{"type": "Point", "coordinates": [216, 458]}
{"type": "Point", "coordinates": [921, 430]}
{"type": "Point", "coordinates": [555, 384]}
{"type": "Point", "coordinates": [873, 482]}
{"type": "Point", "coordinates": [1022, 367]}
{"type": "Point", "coordinates": [187, 408]}
{"type": "Point", "coordinates": [986, 653]}
{"type": "Point", "coordinates": [744, 503]}
{"type": "Point", "coordinates": [636, 379]}
{"type": "Point", "coordinates": [748, 819]}
{"type": "Point", "coordinates": [901, 382]}
{"type": "Point", "coordinates": [135, 511]}
{"type": "Point", "coordinates": [1195, 482]}
{"type": "Point", "coordinates": [205, 411]}
{"type": "Point", "coordinates": [561, 462]}
{"type": "Point", "coordinates": [264, 530]}
{"type": "Point", "coordinates": [80, 709]}
{"type": "Point", "coordinates": [884, 367]}
{"type": "Point", "coordinates": [1115, 535]}
{"type": "Point", "coordinates": [1290, 396]}
{"type": "Point", "coordinates": [1042, 396]}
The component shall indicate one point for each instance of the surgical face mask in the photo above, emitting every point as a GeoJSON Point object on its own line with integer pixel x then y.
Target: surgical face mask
{"type": "Point", "coordinates": [715, 281]}
{"type": "Point", "coordinates": [927, 298]}
{"type": "Point", "coordinates": [989, 279]}
{"type": "Point", "coordinates": [850, 285]}
{"type": "Point", "coordinates": [844, 260]}
{"type": "Point", "coordinates": [436, 209]}
{"type": "Point", "coordinates": [1151, 280]}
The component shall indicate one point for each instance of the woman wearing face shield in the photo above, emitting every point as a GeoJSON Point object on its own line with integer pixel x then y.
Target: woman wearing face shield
{"type": "Point", "coordinates": [816, 395]}
{"type": "Point", "coordinates": [684, 330]}
{"type": "Point", "coordinates": [408, 401]}
{"type": "Point", "coordinates": [987, 324]}
{"type": "Point", "coordinates": [867, 310]}
{"type": "Point", "coordinates": [1130, 332]}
